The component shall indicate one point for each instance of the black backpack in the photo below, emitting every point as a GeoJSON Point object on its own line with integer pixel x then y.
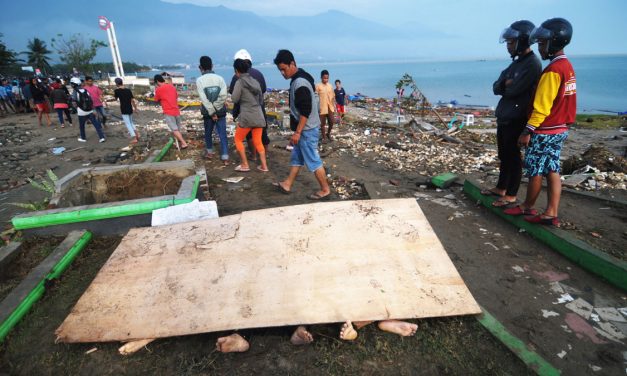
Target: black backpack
{"type": "Point", "coordinates": [85, 102]}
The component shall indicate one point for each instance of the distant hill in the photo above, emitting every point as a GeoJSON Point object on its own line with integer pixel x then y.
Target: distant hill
{"type": "Point", "coordinates": [165, 33]}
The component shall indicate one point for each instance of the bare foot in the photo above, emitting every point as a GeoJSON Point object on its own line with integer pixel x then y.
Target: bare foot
{"type": "Point", "coordinates": [401, 328]}
{"type": "Point", "coordinates": [301, 336]}
{"type": "Point", "coordinates": [348, 333]}
{"type": "Point", "coordinates": [232, 343]}
{"type": "Point", "coordinates": [361, 324]}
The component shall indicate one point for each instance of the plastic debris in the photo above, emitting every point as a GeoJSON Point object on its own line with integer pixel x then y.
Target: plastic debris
{"type": "Point", "coordinates": [235, 179]}
{"type": "Point", "coordinates": [547, 314]}
{"type": "Point", "coordinates": [565, 298]}
{"type": "Point", "coordinates": [58, 151]}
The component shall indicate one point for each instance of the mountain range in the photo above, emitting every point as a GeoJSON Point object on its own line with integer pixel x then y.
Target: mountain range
{"type": "Point", "coordinates": [154, 32]}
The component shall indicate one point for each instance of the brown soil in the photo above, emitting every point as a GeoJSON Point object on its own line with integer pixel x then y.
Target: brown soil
{"type": "Point", "coordinates": [130, 185]}
{"type": "Point", "coordinates": [31, 253]}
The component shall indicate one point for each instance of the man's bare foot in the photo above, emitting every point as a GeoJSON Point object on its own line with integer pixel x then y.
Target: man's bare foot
{"type": "Point", "coordinates": [301, 336]}
{"type": "Point", "coordinates": [232, 343]}
{"type": "Point", "coordinates": [348, 333]}
{"type": "Point", "coordinates": [360, 324]}
{"type": "Point", "coordinates": [401, 328]}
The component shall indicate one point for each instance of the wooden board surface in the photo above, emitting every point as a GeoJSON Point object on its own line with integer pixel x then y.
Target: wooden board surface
{"type": "Point", "coordinates": [306, 264]}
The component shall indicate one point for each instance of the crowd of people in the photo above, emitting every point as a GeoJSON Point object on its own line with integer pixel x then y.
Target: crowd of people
{"type": "Point", "coordinates": [41, 95]}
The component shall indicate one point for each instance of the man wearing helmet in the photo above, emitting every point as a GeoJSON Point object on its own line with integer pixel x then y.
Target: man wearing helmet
{"type": "Point", "coordinates": [554, 109]}
{"type": "Point", "coordinates": [515, 85]}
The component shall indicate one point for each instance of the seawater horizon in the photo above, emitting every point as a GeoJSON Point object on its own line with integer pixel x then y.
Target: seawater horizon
{"type": "Point", "coordinates": [601, 79]}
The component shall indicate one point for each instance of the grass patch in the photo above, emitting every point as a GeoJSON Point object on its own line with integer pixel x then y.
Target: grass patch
{"type": "Point", "coordinates": [600, 121]}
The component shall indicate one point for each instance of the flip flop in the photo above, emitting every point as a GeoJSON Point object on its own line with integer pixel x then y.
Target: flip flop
{"type": "Point", "coordinates": [261, 169]}
{"type": "Point", "coordinates": [184, 147]}
{"type": "Point", "coordinates": [280, 188]}
{"type": "Point", "coordinates": [242, 169]}
{"type": "Point", "coordinates": [502, 203]}
{"type": "Point", "coordinates": [489, 192]}
{"type": "Point", "coordinates": [314, 196]}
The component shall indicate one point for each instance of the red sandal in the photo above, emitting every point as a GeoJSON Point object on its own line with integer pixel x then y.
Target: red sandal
{"type": "Point", "coordinates": [548, 221]}
{"type": "Point", "coordinates": [517, 210]}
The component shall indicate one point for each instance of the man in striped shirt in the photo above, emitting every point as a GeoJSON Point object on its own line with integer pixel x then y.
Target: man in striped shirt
{"type": "Point", "coordinates": [554, 109]}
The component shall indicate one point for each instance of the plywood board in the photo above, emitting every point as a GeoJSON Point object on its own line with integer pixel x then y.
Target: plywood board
{"type": "Point", "coordinates": [306, 264]}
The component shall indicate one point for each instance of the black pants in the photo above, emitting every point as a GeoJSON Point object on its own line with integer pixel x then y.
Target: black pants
{"type": "Point", "coordinates": [507, 133]}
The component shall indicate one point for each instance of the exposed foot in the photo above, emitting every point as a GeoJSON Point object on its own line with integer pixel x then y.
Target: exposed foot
{"type": "Point", "coordinates": [232, 343]}
{"type": "Point", "coordinates": [282, 188]}
{"type": "Point", "coordinates": [502, 202]}
{"type": "Point", "coordinates": [301, 336]}
{"type": "Point", "coordinates": [493, 192]}
{"type": "Point", "coordinates": [319, 196]}
{"type": "Point", "coordinates": [401, 328]}
{"type": "Point", "coordinates": [348, 333]}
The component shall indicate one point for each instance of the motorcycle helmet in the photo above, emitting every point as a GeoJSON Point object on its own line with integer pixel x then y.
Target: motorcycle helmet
{"type": "Point", "coordinates": [520, 31]}
{"type": "Point", "coordinates": [558, 33]}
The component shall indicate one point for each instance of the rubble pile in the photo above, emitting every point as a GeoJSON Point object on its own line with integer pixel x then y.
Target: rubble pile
{"type": "Point", "coordinates": [348, 189]}
{"type": "Point", "coordinates": [596, 168]}
{"type": "Point", "coordinates": [422, 153]}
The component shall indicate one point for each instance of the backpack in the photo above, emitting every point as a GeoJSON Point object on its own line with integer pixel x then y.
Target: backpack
{"type": "Point", "coordinates": [85, 102]}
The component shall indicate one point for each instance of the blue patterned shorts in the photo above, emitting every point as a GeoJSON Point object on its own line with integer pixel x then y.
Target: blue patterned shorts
{"type": "Point", "coordinates": [543, 154]}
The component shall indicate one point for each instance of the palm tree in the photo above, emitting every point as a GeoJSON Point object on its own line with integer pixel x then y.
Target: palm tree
{"type": "Point", "coordinates": [37, 54]}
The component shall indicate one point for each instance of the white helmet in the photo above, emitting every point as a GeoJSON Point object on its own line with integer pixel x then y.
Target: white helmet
{"type": "Point", "coordinates": [242, 54]}
{"type": "Point", "coordinates": [75, 81]}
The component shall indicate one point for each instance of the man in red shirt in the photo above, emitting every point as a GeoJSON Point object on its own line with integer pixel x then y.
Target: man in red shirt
{"type": "Point", "coordinates": [168, 97]}
{"type": "Point", "coordinates": [554, 109]}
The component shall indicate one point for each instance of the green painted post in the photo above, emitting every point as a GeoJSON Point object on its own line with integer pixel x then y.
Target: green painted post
{"type": "Point", "coordinates": [595, 261]}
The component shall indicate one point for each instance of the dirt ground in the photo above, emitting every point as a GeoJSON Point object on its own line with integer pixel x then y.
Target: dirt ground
{"type": "Point", "coordinates": [32, 252]}
{"type": "Point", "coordinates": [510, 274]}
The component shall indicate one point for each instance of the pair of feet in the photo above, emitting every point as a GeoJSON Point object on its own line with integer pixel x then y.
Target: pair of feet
{"type": "Point", "coordinates": [242, 168]}
{"type": "Point", "coordinates": [503, 199]}
{"type": "Point", "coordinates": [530, 214]}
{"type": "Point", "coordinates": [315, 196]}
{"type": "Point", "coordinates": [301, 336]}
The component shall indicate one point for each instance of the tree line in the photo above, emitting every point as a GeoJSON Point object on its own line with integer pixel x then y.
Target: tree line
{"type": "Point", "coordinates": [74, 51]}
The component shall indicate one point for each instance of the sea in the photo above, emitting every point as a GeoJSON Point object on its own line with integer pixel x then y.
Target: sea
{"type": "Point", "coordinates": [601, 80]}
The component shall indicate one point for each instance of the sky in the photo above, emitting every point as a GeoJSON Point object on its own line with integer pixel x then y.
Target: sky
{"type": "Point", "coordinates": [173, 31]}
{"type": "Point", "coordinates": [599, 25]}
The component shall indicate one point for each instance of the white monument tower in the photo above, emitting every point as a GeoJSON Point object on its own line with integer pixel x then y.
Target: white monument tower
{"type": "Point", "coordinates": [107, 25]}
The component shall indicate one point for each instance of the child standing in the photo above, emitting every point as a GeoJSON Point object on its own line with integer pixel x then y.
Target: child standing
{"type": "Point", "coordinates": [340, 97]}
